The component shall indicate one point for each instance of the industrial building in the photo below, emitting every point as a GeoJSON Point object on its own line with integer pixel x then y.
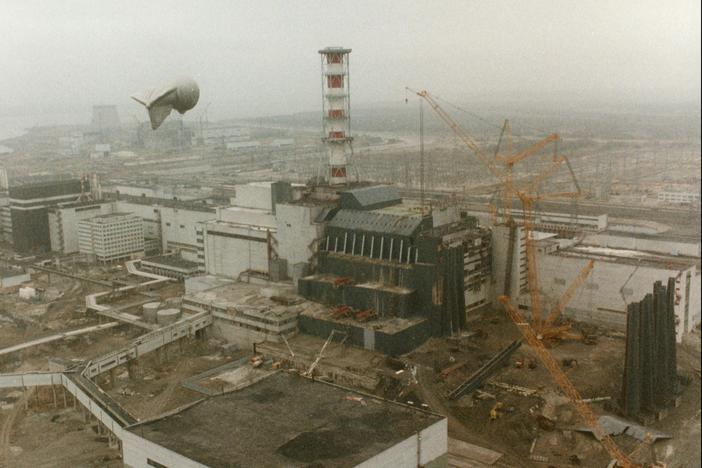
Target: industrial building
{"type": "Point", "coordinates": [5, 218]}
{"type": "Point", "coordinates": [169, 225]}
{"type": "Point", "coordinates": [111, 237]}
{"type": "Point", "coordinates": [220, 134]}
{"type": "Point", "coordinates": [683, 198]}
{"type": "Point", "coordinates": [625, 268]}
{"type": "Point", "coordinates": [105, 117]}
{"type": "Point", "coordinates": [12, 276]}
{"type": "Point", "coordinates": [391, 264]}
{"type": "Point", "coordinates": [170, 265]}
{"type": "Point", "coordinates": [64, 219]}
{"type": "Point", "coordinates": [243, 237]}
{"type": "Point", "coordinates": [288, 420]}
{"type": "Point", "coordinates": [29, 203]}
{"type": "Point", "coordinates": [292, 290]}
{"type": "Point", "coordinates": [620, 276]}
{"type": "Point", "coordinates": [245, 314]}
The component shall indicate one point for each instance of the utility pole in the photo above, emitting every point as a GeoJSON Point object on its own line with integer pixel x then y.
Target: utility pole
{"type": "Point", "coordinates": [421, 153]}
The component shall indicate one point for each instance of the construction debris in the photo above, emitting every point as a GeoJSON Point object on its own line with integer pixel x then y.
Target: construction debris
{"type": "Point", "coordinates": [616, 426]}
{"type": "Point", "coordinates": [482, 374]}
{"type": "Point", "coordinates": [523, 391]}
{"type": "Point", "coordinates": [462, 453]}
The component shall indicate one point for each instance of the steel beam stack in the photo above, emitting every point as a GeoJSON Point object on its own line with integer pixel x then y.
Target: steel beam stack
{"type": "Point", "coordinates": [650, 377]}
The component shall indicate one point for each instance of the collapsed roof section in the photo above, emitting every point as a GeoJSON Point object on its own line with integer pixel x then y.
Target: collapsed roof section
{"type": "Point", "coordinates": [369, 198]}
{"type": "Point", "coordinates": [370, 221]}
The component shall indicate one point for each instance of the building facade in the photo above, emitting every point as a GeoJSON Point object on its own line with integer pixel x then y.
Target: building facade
{"type": "Point", "coordinates": [112, 237]}
{"type": "Point", "coordinates": [64, 219]}
{"type": "Point", "coordinates": [29, 204]}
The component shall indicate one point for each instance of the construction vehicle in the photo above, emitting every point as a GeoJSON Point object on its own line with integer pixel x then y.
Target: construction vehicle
{"type": "Point", "coordinates": [495, 411]}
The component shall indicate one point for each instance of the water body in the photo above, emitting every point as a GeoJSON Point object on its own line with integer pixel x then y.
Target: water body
{"type": "Point", "coordinates": [15, 126]}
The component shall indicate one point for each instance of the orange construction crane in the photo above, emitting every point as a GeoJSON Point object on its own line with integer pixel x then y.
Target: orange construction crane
{"type": "Point", "coordinates": [528, 198]}
{"type": "Point", "coordinates": [460, 132]}
{"type": "Point", "coordinates": [528, 202]}
{"type": "Point", "coordinates": [566, 297]}
{"type": "Point", "coordinates": [566, 385]}
{"type": "Point", "coordinates": [508, 160]}
{"type": "Point", "coordinates": [509, 190]}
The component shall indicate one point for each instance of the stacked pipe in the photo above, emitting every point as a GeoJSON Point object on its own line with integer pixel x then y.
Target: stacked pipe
{"type": "Point", "coordinates": [650, 376]}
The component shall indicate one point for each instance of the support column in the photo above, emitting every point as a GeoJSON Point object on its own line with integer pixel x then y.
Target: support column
{"type": "Point", "coordinates": [113, 377]}
{"type": "Point", "coordinates": [133, 369]}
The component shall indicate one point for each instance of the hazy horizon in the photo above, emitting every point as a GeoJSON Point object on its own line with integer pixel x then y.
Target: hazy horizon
{"type": "Point", "coordinates": [260, 59]}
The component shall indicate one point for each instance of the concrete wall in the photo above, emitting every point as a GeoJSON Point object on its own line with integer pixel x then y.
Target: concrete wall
{"type": "Point", "coordinates": [227, 329]}
{"type": "Point", "coordinates": [230, 256]}
{"type": "Point", "coordinates": [500, 249]}
{"type": "Point", "coordinates": [178, 230]}
{"type": "Point", "coordinates": [14, 280]}
{"type": "Point", "coordinates": [136, 451]}
{"type": "Point", "coordinates": [447, 215]}
{"type": "Point", "coordinates": [254, 195]}
{"type": "Point", "coordinates": [591, 222]}
{"type": "Point", "coordinates": [296, 232]}
{"type": "Point", "coordinates": [158, 192]}
{"type": "Point", "coordinates": [63, 225]}
{"type": "Point", "coordinates": [428, 448]}
{"type": "Point", "coordinates": [668, 247]}
{"type": "Point", "coordinates": [248, 216]}
{"type": "Point", "coordinates": [599, 299]}
{"type": "Point", "coordinates": [692, 314]}
{"type": "Point", "coordinates": [149, 213]}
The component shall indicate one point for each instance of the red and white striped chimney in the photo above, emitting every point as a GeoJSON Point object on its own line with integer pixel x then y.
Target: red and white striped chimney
{"type": "Point", "coordinates": [336, 115]}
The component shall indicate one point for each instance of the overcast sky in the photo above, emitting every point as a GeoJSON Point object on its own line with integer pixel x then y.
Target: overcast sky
{"type": "Point", "coordinates": [260, 57]}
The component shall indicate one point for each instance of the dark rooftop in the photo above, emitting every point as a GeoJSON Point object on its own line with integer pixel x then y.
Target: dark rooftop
{"type": "Point", "coordinates": [175, 261]}
{"type": "Point", "coordinates": [369, 198]}
{"type": "Point", "coordinates": [286, 420]}
{"type": "Point", "coordinates": [372, 221]}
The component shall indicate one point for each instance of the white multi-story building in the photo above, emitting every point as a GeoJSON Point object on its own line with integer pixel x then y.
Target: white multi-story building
{"type": "Point", "coordinates": [64, 219]}
{"type": "Point", "coordinates": [112, 237]}
{"type": "Point", "coordinates": [679, 197]}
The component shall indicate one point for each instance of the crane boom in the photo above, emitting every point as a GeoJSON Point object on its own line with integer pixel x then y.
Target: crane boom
{"type": "Point", "coordinates": [568, 295]}
{"type": "Point", "coordinates": [533, 149]}
{"type": "Point", "coordinates": [459, 131]}
{"type": "Point", "coordinates": [565, 384]}
{"type": "Point", "coordinates": [533, 277]}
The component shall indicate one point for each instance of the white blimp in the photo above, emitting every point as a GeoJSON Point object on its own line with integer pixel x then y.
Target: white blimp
{"type": "Point", "coordinates": [181, 94]}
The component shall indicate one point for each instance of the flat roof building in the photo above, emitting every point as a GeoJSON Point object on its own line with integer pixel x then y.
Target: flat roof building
{"type": "Point", "coordinates": [64, 219]}
{"type": "Point", "coordinates": [29, 203]}
{"type": "Point", "coordinates": [288, 420]}
{"type": "Point", "coordinates": [172, 266]}
{"type": "Point", "coordinates": [112, 237]}
{"type": "Point", "coordinates": [245, 313]}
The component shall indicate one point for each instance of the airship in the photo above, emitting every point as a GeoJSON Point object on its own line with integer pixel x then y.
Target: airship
{"type": "Point", "coordinates": [180, 94]}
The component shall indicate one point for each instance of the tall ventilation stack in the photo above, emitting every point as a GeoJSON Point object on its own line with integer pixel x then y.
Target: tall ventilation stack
{"type": "Point", "coordinates": [336, 111]}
